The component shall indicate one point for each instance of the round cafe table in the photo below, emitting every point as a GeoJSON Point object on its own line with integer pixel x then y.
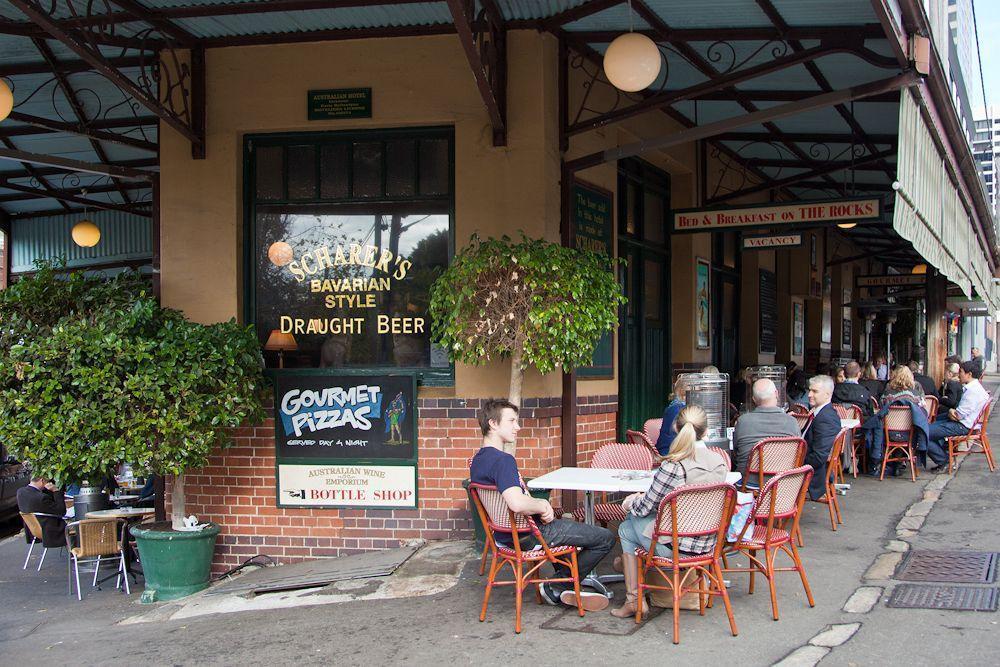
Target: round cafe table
{"type": "Point", "coordinates": [121, 513]}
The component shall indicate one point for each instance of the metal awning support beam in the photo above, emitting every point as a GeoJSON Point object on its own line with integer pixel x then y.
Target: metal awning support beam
{"type": "Point", "coordinates": [66, 164]}
{"type": "Point", "coordinates": [46, 125]}
{"type": "Point", "coordinates": [68, 66]}
{"type": "Point", "coordinates": [798, 178]}
{"type": "Point", "coordinates": [101, 64]}
{"type": "Point", "coordinates": [809, 137]}
{"type": "Point", "coordinates": [764, 115]}
{"type": "Point", "coordinates": [91, 190]}
{"type": "Point", "coordinates": [168, 27]}
{"type": "Point", "coordinates": [486, 50]}
{"type": "Point", "coordinates": [778, 96]}
{"type": "Point", "coordinates": [35, 172]}
{"type": "Point", "coordinates": [753, 34]}
{"type": "Point", "coordinates": [31, 30]}
{"type": "Point", "coordinates": [72, 199]}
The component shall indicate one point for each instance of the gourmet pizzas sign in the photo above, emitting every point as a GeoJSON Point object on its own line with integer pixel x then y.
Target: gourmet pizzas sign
{"type": "Point", "coordinates": [345, 440]}
{"type": "Point", "coordinates": [811, 213]}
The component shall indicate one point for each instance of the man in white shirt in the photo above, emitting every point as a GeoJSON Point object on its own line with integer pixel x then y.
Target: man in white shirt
{"type": "Point", "coordinates": [961, 419]}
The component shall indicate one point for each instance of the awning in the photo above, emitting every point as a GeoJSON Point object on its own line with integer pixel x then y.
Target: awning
{"type": "Point", "coordinates": [929, 212]}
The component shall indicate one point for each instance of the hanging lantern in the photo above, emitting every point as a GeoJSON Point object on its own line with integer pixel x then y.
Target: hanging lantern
{"type": "Point", "coordinates": [6, 100]}
{"type": "Point", "coordinates": [632, 62]}
{"type": "Point", "coordinates": [86, 234]}
{"type": "Point", "coordinates": [919, 269]}
{"type": "Point", "coordinates": [280, 253]}
{"type": "Point", "coordinates": [848, 225]}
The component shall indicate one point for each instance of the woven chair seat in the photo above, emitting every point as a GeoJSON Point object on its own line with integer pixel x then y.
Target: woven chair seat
{"type": "Point", "coordinates": [759, 535]}
{"type": "Point", "coordinates": [603, 512]}
{"type": "Point", "coordinates": [534, 554]}
{"type": "Point", "coordinates": [663, 561]}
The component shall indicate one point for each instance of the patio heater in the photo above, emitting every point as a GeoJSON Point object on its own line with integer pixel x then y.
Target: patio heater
{"type": "Point", "coordinates": [777, 373]}
{"type": "Point", "coordinates": [710, 391]}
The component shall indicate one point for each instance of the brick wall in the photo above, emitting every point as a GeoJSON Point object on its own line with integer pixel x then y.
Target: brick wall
{"type": "Point", "coordinates": [237, 488]}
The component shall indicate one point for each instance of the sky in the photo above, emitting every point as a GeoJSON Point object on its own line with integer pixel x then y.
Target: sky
{"type": "Point", "coordinates": [988, 24]}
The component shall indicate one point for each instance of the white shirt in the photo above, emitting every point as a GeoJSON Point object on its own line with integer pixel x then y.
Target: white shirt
{"type": "Point", "coordinates": [974, 397]}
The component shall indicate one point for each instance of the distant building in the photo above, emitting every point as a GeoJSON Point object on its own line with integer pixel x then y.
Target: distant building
{"type": "Point", "coordinates": [985, 148]}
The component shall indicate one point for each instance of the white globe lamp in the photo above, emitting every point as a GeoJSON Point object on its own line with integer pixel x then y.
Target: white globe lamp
{"type": "Point", "coordinates": [6, 100]}
{"type": "Point", "coordinates": [632, 62]}
{"type": "Point", "coordinates": [86, 234]}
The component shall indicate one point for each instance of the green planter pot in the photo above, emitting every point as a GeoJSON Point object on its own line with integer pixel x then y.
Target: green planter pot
{"type": "Point", "coordinates": [175, 563]}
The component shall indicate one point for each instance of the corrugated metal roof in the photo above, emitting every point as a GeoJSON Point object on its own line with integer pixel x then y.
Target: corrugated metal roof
{"type": "Point", "coordinates": [823, 12]}
{"type": "Point", "coordinates": [709, 13]}
{"type": "Point", "coordinates": [124, 237]}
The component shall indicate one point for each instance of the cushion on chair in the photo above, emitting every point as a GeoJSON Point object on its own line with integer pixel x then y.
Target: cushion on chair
{"type": "Point", "coordinates": [690, 559]}
{"type": "Point", "coordinates": [759, 534]}
{"type": "Point", "coordinates": [604, 512]}
{"type": "Point", "coordinates": [534, 554]}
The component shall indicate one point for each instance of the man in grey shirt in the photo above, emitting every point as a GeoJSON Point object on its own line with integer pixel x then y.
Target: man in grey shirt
{"type": "Point", "coordinates": [766, 421]}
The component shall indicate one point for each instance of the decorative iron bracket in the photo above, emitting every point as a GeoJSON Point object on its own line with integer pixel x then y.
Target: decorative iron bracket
{"type": "Point", "coordinates": [167, 85]}
{"type": "Point", "coordinates": [484, 39]}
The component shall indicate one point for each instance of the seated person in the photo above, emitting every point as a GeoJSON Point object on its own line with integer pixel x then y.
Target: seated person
{"type": "Point", "coordinates": [960, 419]}
{"type": "Point", "coordinates": [766, 421]}
{"type": "Point", "coordinates": [902, 387]}
{"type": "Point", "coordinates": [493, 466]}
{"type": "Point", "coordinates": [839, 375]}
{"type": "Point", "coordinates": [821, 432]}
{"type": "Point", "coordinates": [925, 382]}
{"type": "Point", "coordinates": [798, 388]}
{"type": "Point", "coordinates": [667, 431]}
{"type": "Point", "coordinates": [951, 389]}
{"type": "Point", "coordinates": [42, 496]}
{"type": "Point", "coordinates": [688, 463]}
{"type": "Point", "coordinates": [851, 391]}
{"type": "Point", "coordinates": [869, 380]}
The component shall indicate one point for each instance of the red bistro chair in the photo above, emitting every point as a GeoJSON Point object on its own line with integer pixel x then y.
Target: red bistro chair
{"type": "Point", "coordinates": [639, 438]}
{"type": "Point", "coordinates": [616, 456]}
{"type": "Point", "coordinates": [774, 519]}
{"type": "Point", "coordinates": [525, 565]}
{"type": "Point", "coordinates": [833, 476]}
{"type": "Point", "coordinates": [803, 420]}
{"type": "Point", "coordinates": [798, 409]}
{"type": "Point", "coordinates": [858, 450]}
{"type": "Point", "coordinates": [976, 435]}
{"type": "Point", "coordinates": [651, 428]}
{"type": "Point", "coordinates": [876, 406]}
{"type": "Point", "coordinates": [694, 510]}
{"type": "Point", "coordinates": [771, 456]}
{"type": "Point", "coordinates": [899, 421]}
{"type": "Point", "coordinates": [931, 407]}
{"type": "Point", "coordinates": [725, 456]}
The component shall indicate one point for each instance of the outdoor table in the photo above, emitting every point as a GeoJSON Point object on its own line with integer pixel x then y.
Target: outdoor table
{"type": "Point", "coordinates": [591, 480]}
{"type": "Point", "coordinates": [124, 499]}
{"type": "Point", "coordinates": [130, 515]}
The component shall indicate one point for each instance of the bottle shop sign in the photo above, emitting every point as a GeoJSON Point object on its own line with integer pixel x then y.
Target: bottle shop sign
{"type": "Point", "coordinates": [812, 213]}
{"type": "Point", "coordinates": [372, 486]}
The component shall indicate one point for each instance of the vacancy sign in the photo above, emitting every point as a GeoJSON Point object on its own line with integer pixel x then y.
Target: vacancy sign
{"type": "Point", "coordinates": [772, 241]}
{"type": "Point", "coordinates": [813, 213]}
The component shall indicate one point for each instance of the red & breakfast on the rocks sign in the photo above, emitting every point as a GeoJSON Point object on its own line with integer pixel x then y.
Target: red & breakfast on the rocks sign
{"type": "Point", "coordinates": [776, 215]}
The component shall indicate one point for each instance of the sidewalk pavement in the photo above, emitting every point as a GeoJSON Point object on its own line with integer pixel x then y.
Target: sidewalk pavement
{"type": "Point", "coordinates": [401, 621]}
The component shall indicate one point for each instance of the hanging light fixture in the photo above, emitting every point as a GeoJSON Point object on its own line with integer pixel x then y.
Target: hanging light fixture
{"type": "Point", "coordinates": [848, 225]}
{"type": "Point", "coordinates": [919, 269]}
{"type": "Point", "coordinates": [632, 61]}
{"type": "Point", "coordinates": [6, 100]}
{"type": "Point", "coordinates": [86, 234]}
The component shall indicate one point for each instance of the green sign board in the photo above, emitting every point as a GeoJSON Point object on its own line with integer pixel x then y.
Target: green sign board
{"type": "Point", "coordinates": [592, 224]}
{"type": "Point", "coordinates": [340, 103]}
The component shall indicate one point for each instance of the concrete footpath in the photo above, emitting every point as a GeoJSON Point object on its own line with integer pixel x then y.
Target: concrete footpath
{"type": "Point", "coordinates": [428, 611]}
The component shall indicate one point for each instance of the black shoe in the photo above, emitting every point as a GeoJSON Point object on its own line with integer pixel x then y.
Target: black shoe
{"type": "Point", "coordinates": [939, 469]}
{"type": "Point", "coordinates": [549, 595]}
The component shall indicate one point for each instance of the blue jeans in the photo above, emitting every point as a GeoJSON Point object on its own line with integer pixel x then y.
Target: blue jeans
{"type": "Point", "coordinates": [937, 444]}
{"type": "Point", "coordinates": [630, 531]}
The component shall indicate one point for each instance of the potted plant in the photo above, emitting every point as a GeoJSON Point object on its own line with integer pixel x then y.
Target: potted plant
{"type": "Point", "coordinates": [94, 372]}
{"type": "Point", "coordinates": [539, 303]}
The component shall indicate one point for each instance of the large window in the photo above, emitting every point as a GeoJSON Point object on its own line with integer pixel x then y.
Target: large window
{"type": "Point", "coordinates": [349, 231]}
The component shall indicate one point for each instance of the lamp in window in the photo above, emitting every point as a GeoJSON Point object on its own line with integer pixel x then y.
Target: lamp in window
{"type": "Point", "coordinates": [632, 61]}
{"type": "Point", "coordinates": [281, 342]}
{"type": "Point", "coordinates": [86, 234]}
{"type": "Point", "coordinates": [280, 253]}
{"type": "Point", "coordinates": [6, 100]}
{"type": "Point", "coordinates": [919, 269]}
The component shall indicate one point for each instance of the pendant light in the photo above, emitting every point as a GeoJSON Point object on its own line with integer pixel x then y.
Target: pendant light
{"type": "Point", "coordinates": [6, 100]}
{"type": "Point", "coordinates": [85, 233]}
{"type": "Point", "coordinates": [632, 61]}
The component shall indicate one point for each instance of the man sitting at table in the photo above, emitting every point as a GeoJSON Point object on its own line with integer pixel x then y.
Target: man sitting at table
{"type": "Point", "coordinates": [821, 432]}
{"type": "Point", "coordinates": [493, 466]}
{"type": "Point", "coordinates": [951, 390]}
{"type": "Point", "coordinates": [766, 421]}
{"type": "Point", "coordinates": [42, 496]}
{"type": "Point", "coordinates": [851, 391]}
{"type": "Point", "coordinates": [961, 419]}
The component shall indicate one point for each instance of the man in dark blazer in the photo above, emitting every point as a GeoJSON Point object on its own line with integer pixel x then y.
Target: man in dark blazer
{"type": "Point", "coordinates": [821, 432]}
{"type": "Point", "coordinates": [951, 389]}
{"type": "Point", "coordinates": [851, 392]}
{"type": "Point", "coordinates": [977, 359]}
{"type": "Point", "coordinates": [42, 496]}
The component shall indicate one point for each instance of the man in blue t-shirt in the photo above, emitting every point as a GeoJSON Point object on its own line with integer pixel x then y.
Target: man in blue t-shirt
{"type": "Point", "coordinates": [493, 466]}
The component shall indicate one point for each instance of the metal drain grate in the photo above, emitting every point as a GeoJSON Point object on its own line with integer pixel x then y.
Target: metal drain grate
{"type": "Point", "coordinates": [960, 567]}
{"type": "Point", "coordinates": [954, 598]}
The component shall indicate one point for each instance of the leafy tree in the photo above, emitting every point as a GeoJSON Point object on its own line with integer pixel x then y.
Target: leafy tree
{"type": "Point", "coordinates": [537, 302]}
{"type": "Point", "coordinates": [94, 372]}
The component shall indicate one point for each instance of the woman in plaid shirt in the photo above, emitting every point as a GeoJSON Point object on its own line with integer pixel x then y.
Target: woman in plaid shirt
{"type": "Point", "coordinates": [689, 462]}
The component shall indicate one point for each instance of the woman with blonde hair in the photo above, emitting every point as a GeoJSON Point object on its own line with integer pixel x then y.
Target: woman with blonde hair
{"type": "Point", "coordinates": [902, 387]}
{"type": "Point", "coordinates": [689, 462]}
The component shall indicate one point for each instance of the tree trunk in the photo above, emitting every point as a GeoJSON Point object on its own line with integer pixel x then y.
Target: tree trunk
{"type": "Point", "coordinates": [516, 373]}
{"type": "Point", "coordinates": [177, 503]}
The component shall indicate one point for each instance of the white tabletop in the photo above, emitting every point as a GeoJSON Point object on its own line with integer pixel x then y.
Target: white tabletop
{"type": "Point", "coordinates": [849, 423]}
{"type": "Point", "coordinates": [120, 513]}
{"type": "Point", "coordinates": [599, 479]}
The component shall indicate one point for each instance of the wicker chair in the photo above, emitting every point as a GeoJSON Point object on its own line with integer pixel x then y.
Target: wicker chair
{"type": "Point", "coordinates": [798, 409]}
{"type": "Point", "coordinates": [34, 529]}
{"type": "Point", "coordinates": [640, 438]}
{"type": "Point", "coordinates": [803, 420]}
{"type": "Point", "coordinates": [774, 519]}
{"type": "Point", "coordinates": [859, 452]}
{"type": "Point", "coordinates": [693, 510]}
{"type": "Point", "coordinates": [651, 428]}
{"type": "Point", "coordinates": [975, 436]}
{"type": "Point", "coordinates": [931, 404]}
{"type": "Point", "coordinates": [97, 539]}
{"type": "Point", "coordinates": [525, 565]}
{"type": "Point", "coordinates": [771, 456]}
{"type": "Point", "coordinates": [899, 421]}
{"type": "Point", "coordinates": [833, 476]}
{"type": "Point", "coordinates": [616, 456]}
